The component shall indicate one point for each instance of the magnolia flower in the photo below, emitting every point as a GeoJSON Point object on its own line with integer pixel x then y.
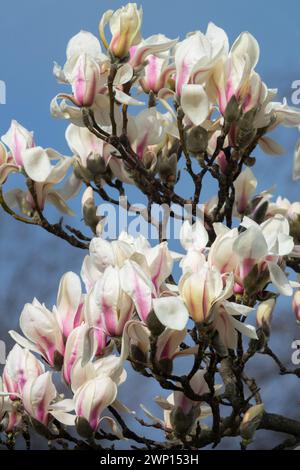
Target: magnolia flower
{"type": "Point", "coordinates": [202, 290]}
{"type": "Point", "coordinates": [181, 413]}
{"type": "Point", "coordinates": [156, 51]}
{"type": "Point", "coordinates": [42, 331]}
{"type": "Point", "coordinates": [221, 254]}
{"type": "Point", "coordinates": [290, 210]}
{"type": "Point", "coordinates": [264, 246]}
{"type": "Point", "coordinates": [86, 69]}
{"type": "Point", "coordinates": [194, 238]}
{"type": "Point", "coordinates": [234, 76]}
{"type": "Point", "coordinates": [264, 315]}
{"type": "Point", "coordinates": [85, 80]}
{"type": "Point", "coordinates": [245, 186]}
{"type": "Point", "coordinates": [108, 307]}
{"type": "Point", "coordinates": [92, 398]}
{"type": "Point", "coordinates": [227, 326]}
{"type": "Point", "coordinates": [37, 395]}
{"type": "Point", "coordinates": [151, 128]}
{"type": "Point", "coordinates": [196, 56]}
{"type": "Point", "coordinates": [18, 139]}
{"type": "Point", "coordinates": [69, 303]}
{"type": "Point", "coordinates": [76, 344]}
{"type": "Point", "coordinates": [21, 365]}
{"type": "Point", "coordinates": [168, 343]}
{"type": "Point", "coordinates": [125, 25]}
{"type": "Point", "coordinates": [82, 44]}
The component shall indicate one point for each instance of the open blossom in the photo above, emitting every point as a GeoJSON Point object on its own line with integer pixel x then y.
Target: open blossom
{"type": "Point", "coordinates": [202, 290]}
{"type": "Point", "coordinates": [196, 55]}
{"type": "Point", "coordinates": [290, 210]}
{"type": "Point", "coordinates": [234, 75]}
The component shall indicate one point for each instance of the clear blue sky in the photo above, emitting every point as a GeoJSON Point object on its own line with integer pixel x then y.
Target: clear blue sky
{"type": "Point", "coordinates": [34, 34]}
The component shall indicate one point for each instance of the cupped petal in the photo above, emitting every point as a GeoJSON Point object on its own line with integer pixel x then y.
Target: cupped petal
{"type": "Point", "coordinates": [194, 102]}
{"type": "Point", "coordinates": [171, 312]}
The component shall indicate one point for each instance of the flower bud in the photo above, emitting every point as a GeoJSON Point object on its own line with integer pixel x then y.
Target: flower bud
{"type": "Point", "coordinates": [251, 421]}
{"type": "Point", "coordinates": [200, 291]}
{"type": "Point", "coordinates": [264, 315]}
{"type": "Point", "coordinates": [42, 331]}
{"type": "Point", "coordinates": [168, 169]}
{"type": "Point", "coordinates": [197, 140]}
{"type": "Point", "coordinates": [84, 80]}
{"type": "Point", "coordinates": [21, 365]}
{"type": "Point", "coordinates": [37, 395]}
{"type": "Point", "coordinates": [181, 422]}
{"type": "Point", "coordinates": [232, 111]}
{"type": "Point", "coordinates": [168, 344]}
{"type": "Point", "coordinates": [69, 303]}
{"type": "Point", "coordinates": [125, 25]}
{"type": "Point", "coordinates": [245, 186]}
{"type": "Point", "coordinates": [89, 210]}
{"type": "Point", "coordinates": [18, 139]}
{"type": "Point", "coordinates": [107, 305]}
{"type": "Point", "coordinates": [92, 398]}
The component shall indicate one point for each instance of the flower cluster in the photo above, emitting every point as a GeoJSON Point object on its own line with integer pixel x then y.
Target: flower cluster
{"type": "Point", "coordinates": [128, 301]}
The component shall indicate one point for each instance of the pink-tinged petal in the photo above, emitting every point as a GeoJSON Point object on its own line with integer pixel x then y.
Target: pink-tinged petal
{"type": "Point", "coordinates": [69, 304]}
{"type": "Point", "coordinates": [138, 287]}
{"type": "Point", "coordinates": [18, 139]}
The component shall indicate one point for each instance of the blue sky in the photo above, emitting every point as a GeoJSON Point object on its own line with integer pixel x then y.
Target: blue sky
{"type": "Point", "coordinates": [34, 34]}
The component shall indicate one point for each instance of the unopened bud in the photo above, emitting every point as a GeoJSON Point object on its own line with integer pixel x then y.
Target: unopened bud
{"type": "Point", "coordinates": [84, 80]}
{"type": "Point", "coordinates": [97, 166]}
{"type": "Point", "coordinates": [196, 140]}
{"type": "Point", "coordinates": [182, 422]}
{"type": "Point", "coordinates": [168, 169]}
{"type": "Point", "coordinates": [251, 421]}
{"type": "Point", "coordinates": [89, 210]}
{"type": "Point", "coordinates": [264, 315]}
{"type": "Point", "coordinates": [232, 111]}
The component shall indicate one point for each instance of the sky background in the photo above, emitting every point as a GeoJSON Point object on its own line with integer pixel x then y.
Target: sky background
{"type": "Point", "coordinates": [34, 34]}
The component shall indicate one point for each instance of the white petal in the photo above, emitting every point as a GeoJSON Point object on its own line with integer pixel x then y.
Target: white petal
{"type": "Point", "coordinates": [194, 102]}
{"type": "Point", "coordinates": [171, 312]}
{"type": "Point", "coordinates": [126, 99]}
{"type": "Point", "coordinates": [247, 330]}
{"type": "Point", "coordinates": [279, 279]}
{"type": "Point", "coordinates": [37, 164]}
{"type": "Point", "coordinates": [270, 147]}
